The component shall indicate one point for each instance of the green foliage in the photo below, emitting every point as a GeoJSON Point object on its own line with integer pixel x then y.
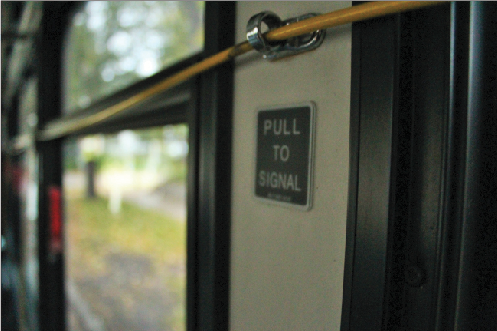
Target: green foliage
{"type": "Point", "coordinates": [112, 44]}
{"type": "Point", "coordinates": [108, 161]}
{"type": "Point", "coordinates": [71, 154]}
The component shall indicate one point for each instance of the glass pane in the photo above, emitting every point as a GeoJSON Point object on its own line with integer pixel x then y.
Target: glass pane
{"type": "Point", "coordinates": [28, 107]}
{"type": "Point", "coordinates": [126, 233]}
{"type": "Point", "coordinates": [112, 44]}
{"type": "Point", "coordinates": [29, 268]}
{"type": "Point", "coordinates": [29, 198]}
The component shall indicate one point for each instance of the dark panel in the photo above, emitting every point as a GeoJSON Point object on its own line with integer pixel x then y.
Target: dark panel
{"type": "Point", "coordinates": [449, 230]}
{"type": "Point", "coordinates": [400, 89]}
{"type": "Point", "coordinates": [215, 134]}
{"type": "Point", "coordinates": [13, 172]}
{"type": "Point", "coordinates": [477, 292]}
{"type": "Point", "coordinates": [284, 146]}
{"type": "Point", "coordinates": [13, 113]}
{"type": "Point", "coordinates": [430, 85]}
{"type": "Point", "coordinates": [353, 175]}
{"type": "Point", "coordinates": [400, 180]}
{"type": "Point", "coordinates": [377, 74]}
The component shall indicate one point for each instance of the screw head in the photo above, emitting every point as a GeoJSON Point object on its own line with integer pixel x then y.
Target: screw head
{"type": "Point", "coordinates": [414, 276]}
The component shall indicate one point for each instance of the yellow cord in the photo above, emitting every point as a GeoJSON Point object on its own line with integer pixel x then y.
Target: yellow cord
{"type": "Point", "coordinates": [336, 18]}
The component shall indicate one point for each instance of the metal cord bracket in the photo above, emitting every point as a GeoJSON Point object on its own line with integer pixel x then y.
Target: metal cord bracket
{"type": "Point", "coordinates": [272, 50]}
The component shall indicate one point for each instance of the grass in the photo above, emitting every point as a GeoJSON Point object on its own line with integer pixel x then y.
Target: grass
{"type": "Point", "coordinates": [133, 230]}
{"type": "Point", "coordinates": [93, 233]}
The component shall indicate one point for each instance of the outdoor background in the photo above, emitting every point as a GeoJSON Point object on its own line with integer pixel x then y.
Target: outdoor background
{"type": "Point", "coordinates": [126, 243]}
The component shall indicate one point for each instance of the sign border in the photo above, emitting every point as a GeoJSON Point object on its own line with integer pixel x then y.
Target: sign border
{"type": "Point", "coordinates": [312, 143]}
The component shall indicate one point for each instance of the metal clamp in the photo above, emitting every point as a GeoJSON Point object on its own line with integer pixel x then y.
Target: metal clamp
{"type": "Point", "coordinates": [272, 50]}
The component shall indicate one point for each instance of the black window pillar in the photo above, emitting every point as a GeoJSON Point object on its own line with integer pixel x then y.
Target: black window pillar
{"type": "Point", "coordinates": [421, 231]}
{"type": "Point", "coordinates": [49, 71]}
{"type": "Point", "coordinates": [214, 172]}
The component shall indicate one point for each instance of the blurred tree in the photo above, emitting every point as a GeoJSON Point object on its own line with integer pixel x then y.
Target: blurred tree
{"type": "Point", "coordinates": [113, 44]}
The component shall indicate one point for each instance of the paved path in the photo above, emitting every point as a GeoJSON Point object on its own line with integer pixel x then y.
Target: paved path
{"type": "Point", "coordinates": [132, 295]}
{"type": "Point", "coordinates": [169, 200]}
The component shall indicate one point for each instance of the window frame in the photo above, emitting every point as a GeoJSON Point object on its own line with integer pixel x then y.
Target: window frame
{"type": "Point", "coordinates": [421, 219]}
{"type": "Point", "coordinates": [206, 110]}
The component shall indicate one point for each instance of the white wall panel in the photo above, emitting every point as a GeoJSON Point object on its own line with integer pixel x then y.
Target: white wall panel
{"type": "Point", "coordinates": [287, 265]}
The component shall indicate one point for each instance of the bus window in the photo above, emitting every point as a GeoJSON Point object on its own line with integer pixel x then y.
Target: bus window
{"type": "Point", "coordinates": [112, 44]}
{"type": "Point", "coordinates": [126, 230]}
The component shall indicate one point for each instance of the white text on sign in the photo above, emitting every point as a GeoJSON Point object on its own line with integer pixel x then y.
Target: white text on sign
{"type": "Point", "coordinates": [279, 180]}
{"type": "Point", "coordinates": [280, 126]}
{"type": "Point", "coordinates": [282, 151]}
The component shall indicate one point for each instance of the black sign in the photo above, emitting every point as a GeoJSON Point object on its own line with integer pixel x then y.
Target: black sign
{"type": "Point", "coordinates": [284, 154]}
